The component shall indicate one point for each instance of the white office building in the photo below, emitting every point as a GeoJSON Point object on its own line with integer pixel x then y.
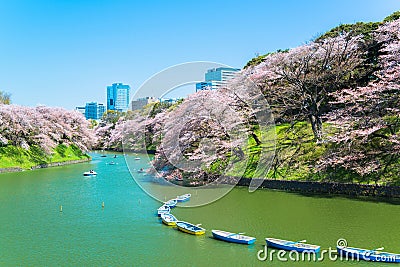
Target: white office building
{"type": "Point", "coordinates": [216, 78]}
{"type": "Point", "coordinates": [118, 95]}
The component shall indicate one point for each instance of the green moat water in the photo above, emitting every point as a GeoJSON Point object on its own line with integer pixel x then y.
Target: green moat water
{"type": "Point", "coordinates": [126, 232]}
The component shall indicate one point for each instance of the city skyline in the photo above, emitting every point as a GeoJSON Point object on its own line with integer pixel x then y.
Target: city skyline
{"type": "Point", "coordinates": [65, 52]}
{"type": "Point", "coordinates": [215, 78]}
{"type": "Point", "coordinates": [118, 97]}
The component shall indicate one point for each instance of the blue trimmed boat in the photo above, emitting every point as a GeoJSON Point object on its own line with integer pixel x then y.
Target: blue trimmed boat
{"type": "Point", "coordinates": [298, 246]}
{"type": "Point", "coordinates": [375, 255]}
{"type": "Point", "coordinates": [233, 237]}
{"type": "Point", "coordinates": [190, 228]}
{"type": "Point", "coordinates": [183, 198]}
{"type": "Point", "coordinates": [168, 219]}
{"type": "Point", "coordinates": [171, 203]}
{"type": "Point", "coordinates": [163, 209]}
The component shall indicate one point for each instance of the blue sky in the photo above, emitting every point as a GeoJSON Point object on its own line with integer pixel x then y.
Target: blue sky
{"type": "Point", "coordinates": [65, 53]}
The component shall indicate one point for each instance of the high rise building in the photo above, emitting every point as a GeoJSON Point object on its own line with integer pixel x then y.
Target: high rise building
{"type": "Point", "coordinates": [141, 102]}
{"type": "Point", "coordinates": [118, 96]}
{"type": "Point", "coordinates": [94, 110]}
{"type": "Point", "coordinates": [216, 78]}
{"type": "Point", "coordinates": [81, 110]}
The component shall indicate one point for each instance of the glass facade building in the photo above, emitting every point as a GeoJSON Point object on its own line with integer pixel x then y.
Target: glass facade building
{"type": "Point", "coordinates": [216, 78]}
{"type": "Point", "coordinates": [118, 96]}
{"type": "Point", "coordinates": [94, 111]}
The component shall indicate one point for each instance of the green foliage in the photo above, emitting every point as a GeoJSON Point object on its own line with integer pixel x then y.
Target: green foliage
{"type": "Point", "coordinates": [93, 124]}
{"type": "Point", "coordinates": [297, 156]}
{"type": "Point", "coordinates": [255, 61]}
{"type": "Point", "coordinates": [363, 28]}
{"type": "Point", "coordinates": [296, 152]}
{"type": "Point", "coordinates": [218, 166]}
{"type": "Point", "coordinates": [175, 105]}
{"type": "Point", "coordinates": [258, 59]}
{"type": "Point", "coordinates": [392, 17]}
{"type": "Point", "coordinates": [112, 116]}
{"type": "Point", "coordinates": [159, 107]}
{"type": "Point", "coordinates": [13, 156]}
{"type": "Point", "coordinates": [37, 155]}
{"type": "Point", "coordinates": [77, 151]}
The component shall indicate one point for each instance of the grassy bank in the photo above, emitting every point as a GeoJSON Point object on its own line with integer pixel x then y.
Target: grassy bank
{"type": "Point", "coordinates": [296, 159]}
{"type": "Point", "coordinates": [13, 156]}
{"type": "Point", "coordinates": [293, 146]}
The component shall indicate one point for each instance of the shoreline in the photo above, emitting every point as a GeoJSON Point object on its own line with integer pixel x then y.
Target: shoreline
{"type": "Point", "coordinates": [43, 166]}
{"type": "Point", "coordinates": [313, 187]}
{"type": "Point", "coordinates": [151, 151]}
{"type": "Point", "coordinates": [326, 188]}
{"type": "Point", "coordinates": [303, 187]}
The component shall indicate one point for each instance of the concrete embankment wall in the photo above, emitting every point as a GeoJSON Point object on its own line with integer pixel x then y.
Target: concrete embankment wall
{"type": "Point", "coordinates": [328, 188]}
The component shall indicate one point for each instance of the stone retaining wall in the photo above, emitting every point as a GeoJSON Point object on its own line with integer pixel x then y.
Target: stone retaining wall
{"type": "Point", "coordinates": [328, 188]}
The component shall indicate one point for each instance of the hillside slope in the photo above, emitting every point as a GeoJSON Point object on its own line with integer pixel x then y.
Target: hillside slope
{"type": "Point", "coordinates": [40, 136]}
{"type": "Point", "coordinates": [327, 110]}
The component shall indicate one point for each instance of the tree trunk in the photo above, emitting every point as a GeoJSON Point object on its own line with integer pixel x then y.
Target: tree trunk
{"type": "Point", "coordinates": [316, 124]}
{"type": "Point", "coordinates": [258, 142]}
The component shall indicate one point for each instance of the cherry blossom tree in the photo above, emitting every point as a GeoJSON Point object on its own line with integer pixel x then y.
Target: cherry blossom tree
{"type": "Point", "coordinates": [297, 83]}
{"type": "Point", "coordinates": [199, 130]}
{"type": "Point", "coordinates": [329, 79]}
{"type": "Point", "coordinates": [44, 127]}
{"type": "Point", "coordinates": [368, 138]}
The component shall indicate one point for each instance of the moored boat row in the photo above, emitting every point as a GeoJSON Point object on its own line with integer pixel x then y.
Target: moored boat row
{"type": "Point", "coordinates": [165, 211]}
{"type": "Point", "coordinates": [168, 219]}
{"type": "Point", "coordinates": [376, 255]}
